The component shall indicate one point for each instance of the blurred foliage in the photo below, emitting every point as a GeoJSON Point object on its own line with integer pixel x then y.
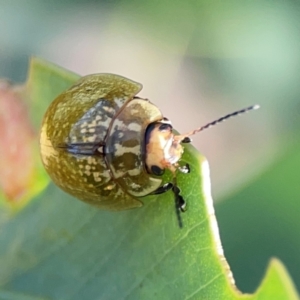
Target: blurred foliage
{"type": "Point", "coordinates": [21, 170]}
{"type": "Point", "coordinates": [264, 222]}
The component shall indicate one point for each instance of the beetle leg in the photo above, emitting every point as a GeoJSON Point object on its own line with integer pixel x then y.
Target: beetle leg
{"type": "Point", "coordinates": [184, 169]}
{"type": "Point", "coordinates": [180, 204]}
{"type": "Point", "coordinates": [162, 189]}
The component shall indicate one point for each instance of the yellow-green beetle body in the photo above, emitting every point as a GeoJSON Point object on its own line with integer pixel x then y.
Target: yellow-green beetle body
{"type": "Point", "coordinates": [107, 147]}
{"type": "Point", "coordinates": [92, 141]}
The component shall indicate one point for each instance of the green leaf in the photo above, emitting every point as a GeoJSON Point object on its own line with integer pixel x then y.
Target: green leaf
{"type": "Point", "coordinates": [45, 82]}
{"type": "Point", "coordinates": [277, 284]}
{"type": "Point", "coordinates": [61, 248]}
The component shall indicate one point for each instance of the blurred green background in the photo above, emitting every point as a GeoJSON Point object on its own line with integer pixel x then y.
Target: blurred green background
{"type": "Point", "coordinates": [197, 60]}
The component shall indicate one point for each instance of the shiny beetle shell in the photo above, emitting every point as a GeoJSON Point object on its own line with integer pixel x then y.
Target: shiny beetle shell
{"type": "Point", "coordinates": [105, 146]}
{"type": "Point", "coordinates": [93, 138]}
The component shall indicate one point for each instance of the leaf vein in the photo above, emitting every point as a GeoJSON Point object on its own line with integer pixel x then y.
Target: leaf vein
{"type": "Point", "coordinates": [203, 286]}
{"type": "Point", "coordinates": [134, 287]}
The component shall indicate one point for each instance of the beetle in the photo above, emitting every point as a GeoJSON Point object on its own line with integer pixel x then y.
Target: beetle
{"type": "Point", "coordinates": [106, 146]}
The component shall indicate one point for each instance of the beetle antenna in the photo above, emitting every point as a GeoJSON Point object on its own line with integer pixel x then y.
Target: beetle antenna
{"type": "Point", "coordinates": [234, 114]}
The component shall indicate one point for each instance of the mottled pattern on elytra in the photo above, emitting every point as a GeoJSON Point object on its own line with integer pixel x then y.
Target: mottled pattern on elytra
{"type": "Point", "coordinates": [65, 112]}
{"type": "Point", "coordinates": [125, 147]}
{"type": "Point", "coordinates": [64, 134]}
{"type": "Point", "coordinates": [87, 178]}
{"type": "Point", "coordinates": [89, 132]}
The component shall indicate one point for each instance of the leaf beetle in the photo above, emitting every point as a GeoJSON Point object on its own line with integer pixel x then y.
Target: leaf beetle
{"type": "Point", "coordinates": [106, 146]}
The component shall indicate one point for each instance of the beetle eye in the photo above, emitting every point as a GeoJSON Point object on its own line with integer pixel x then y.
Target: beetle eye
{"type": "Point", "coordinates": [164, 127]}
{"type": "Point", "coordinates": [156, 170]}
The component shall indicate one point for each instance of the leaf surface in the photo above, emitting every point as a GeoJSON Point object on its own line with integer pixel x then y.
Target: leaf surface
{"type": "Point", "coordinates": [60, 248]}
